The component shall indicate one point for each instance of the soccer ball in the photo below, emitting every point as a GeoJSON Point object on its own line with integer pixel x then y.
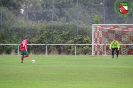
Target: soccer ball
{"type": "Point", "coordinates": [33, 61]}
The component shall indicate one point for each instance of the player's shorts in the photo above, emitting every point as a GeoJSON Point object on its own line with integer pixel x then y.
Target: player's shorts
{"type": "Point", "coordinates": [24, 53]}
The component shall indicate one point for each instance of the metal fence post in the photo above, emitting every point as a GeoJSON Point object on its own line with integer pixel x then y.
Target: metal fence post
{"type": "Point", "coordinates": [46, 50]}
{"type": "Point", "coordinates": [77, 19]}
{"type": "Point", "coordinates": [103, 4]}
{"type": "Point", "coordinates": [0, 19]}
{"type": "Point", "coordinates": [18, 49]}
{"type": "Point", "coordinates": [75, 50]}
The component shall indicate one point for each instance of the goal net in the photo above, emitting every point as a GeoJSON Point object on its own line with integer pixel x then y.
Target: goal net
{"type": "Point", "coordinates": [103, 34]}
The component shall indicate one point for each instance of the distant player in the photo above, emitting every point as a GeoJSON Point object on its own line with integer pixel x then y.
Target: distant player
{"type": "Point", "coordinates": [23, 48]}
{"type": "Point", "coordinates": [114, 46]}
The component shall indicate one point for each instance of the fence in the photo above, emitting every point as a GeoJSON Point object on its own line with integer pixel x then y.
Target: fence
{"type": "Point", "coordinates": [127, 50]}
{"type": "Point", "coordinates": [30, 21]}
{"type": "Point", "coordinates": [59, 22]}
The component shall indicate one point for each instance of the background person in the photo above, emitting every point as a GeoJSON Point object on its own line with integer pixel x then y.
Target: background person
{"type": "Point", "coordinates": [114, 46]}
{"type": "Point", "coordinates": [23, 48]}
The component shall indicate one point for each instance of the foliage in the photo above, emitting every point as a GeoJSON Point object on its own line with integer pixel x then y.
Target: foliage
{"type": "Point", "coordinates": [71, 23]}
{"type": "Point", "coordinates": [4, 38]}
{"type": "Point", "coordinates": [11, 4]}
{"type": "Point", "coordinates": [14, 28]}
{"type": "Point", "coordinates": [96, 19]}
{"type": "Point", "coordinates": [63, 33]}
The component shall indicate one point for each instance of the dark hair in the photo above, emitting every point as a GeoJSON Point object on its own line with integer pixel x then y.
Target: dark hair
{"type": "Point", "coordinates": [25, 37]}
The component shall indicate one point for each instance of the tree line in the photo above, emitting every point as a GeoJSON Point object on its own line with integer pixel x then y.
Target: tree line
{"type": "Point", "coordinates": [14, 28]}
{"type": "Point", "coordinates": [66, 27]}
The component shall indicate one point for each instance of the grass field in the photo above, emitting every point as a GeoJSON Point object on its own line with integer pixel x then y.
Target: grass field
{"type": "Point", "coordinates": [66, 72]}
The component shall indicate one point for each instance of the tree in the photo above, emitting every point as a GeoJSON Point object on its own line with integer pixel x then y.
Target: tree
{"type": "Point", "coordinates": [11, 4]}
{"type": "Point", "coordinates": [96, 19]}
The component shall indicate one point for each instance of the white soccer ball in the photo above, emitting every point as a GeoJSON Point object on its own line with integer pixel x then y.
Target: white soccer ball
{"type": "Point", "coordinates": [33, 61]}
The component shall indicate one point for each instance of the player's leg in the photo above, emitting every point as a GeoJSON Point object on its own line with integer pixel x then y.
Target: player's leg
{"type": "Point", "coordinates": [26, 54]}
{"type": "Point", "coordinates": [22, 57]}
{"type": "Point", "coordinates": [117, 52]}
{"type": "Point", "coordinates": [113, 52]}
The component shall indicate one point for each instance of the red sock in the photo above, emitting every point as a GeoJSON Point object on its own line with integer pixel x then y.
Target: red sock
{"type": "Point", "coordinates": [26, 55]}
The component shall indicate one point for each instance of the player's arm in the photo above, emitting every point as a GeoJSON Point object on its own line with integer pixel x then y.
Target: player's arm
{"type": "Point", "coordinates": [110, 45]}
{"type": "Point", "coordinates": [26, 47]}
{"type": "Point", "coordinates": [118, 45]}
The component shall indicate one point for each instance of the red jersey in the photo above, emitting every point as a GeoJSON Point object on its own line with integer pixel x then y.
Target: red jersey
{"type": "Point", "coordinates": [23, 45]}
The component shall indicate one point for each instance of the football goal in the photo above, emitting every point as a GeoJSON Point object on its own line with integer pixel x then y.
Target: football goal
{"type": "Point", "coordinates": [103, 34]}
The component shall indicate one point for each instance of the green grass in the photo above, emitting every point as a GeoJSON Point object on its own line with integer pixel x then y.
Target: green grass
{"type": "Point", "coordinates": [66, 72]}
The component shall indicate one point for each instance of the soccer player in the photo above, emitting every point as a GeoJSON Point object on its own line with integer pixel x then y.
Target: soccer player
{"type": "Point", "coordinates": [23, 48]}
{"type": "Point", "coordinates": [114, 46]}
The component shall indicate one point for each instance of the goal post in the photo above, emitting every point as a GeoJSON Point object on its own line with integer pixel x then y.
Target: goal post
{"type": "Point", "coordinates": [103, 34]}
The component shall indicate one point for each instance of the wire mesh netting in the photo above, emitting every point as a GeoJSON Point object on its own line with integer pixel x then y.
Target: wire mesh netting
{"type": "Point", "coordinates": [104, 34]}
{"type": "Point", "coordinates": [58, 21]}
